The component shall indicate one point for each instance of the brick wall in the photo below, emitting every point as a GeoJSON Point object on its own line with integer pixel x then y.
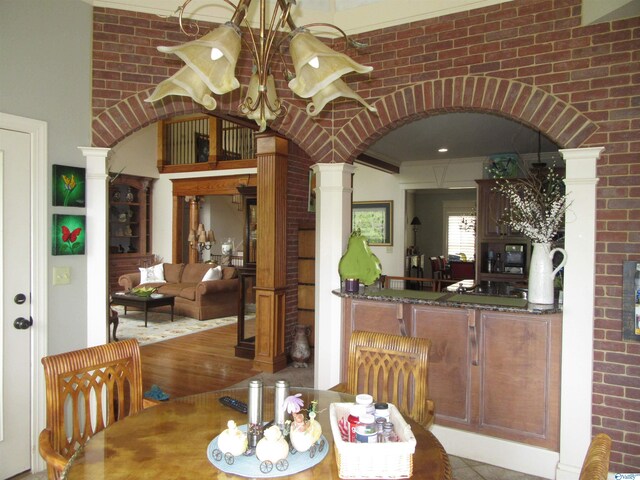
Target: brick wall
{"type": "Point", "coordinates": [527, 60]}
{"type": "Point", "coordinates": [297, 217]}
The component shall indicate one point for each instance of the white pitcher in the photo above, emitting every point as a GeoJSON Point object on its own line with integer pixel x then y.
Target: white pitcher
{"type": "Point", "coordinates": [541, 273]}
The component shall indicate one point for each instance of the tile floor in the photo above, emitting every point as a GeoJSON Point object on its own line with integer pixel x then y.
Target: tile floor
{"type": "Point", "coordinates": [463, 469]}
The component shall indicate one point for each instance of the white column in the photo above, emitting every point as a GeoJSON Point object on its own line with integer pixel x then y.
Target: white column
{"type": "Point", "coordinates": [333, 227]}
{"type": "Point", "coordinates": [579, 302]}
{"type": "Point", "coordinates": [97, 255]}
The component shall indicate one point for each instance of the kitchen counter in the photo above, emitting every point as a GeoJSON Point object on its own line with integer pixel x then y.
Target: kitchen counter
{"type": "Point", "coordinates": [494, 361]}
{"type": "Point", "coordinates": [480, 300]}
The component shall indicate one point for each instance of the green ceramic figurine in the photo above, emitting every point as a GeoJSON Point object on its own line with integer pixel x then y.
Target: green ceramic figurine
{"type": "Point", "coordinates": [359, 261]}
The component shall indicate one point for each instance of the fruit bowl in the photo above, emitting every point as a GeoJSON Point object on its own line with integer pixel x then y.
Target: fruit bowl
{"type": "Point", "coordinates": [143, 291]}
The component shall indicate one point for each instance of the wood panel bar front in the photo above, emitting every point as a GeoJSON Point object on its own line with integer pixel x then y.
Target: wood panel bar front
{"type": "Point", "coordinates": [494, 371]}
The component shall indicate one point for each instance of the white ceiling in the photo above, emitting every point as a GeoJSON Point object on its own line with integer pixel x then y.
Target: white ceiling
{"type": "Point", "coordinates": [466, 135]}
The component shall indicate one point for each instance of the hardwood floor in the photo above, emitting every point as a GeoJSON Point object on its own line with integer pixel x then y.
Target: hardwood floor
{"type": "Point", "coordinates": [194, 363]}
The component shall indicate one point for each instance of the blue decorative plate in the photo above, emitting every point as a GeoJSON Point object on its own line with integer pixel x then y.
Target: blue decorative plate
{"type": "Point", "coordinates": [249, 466]}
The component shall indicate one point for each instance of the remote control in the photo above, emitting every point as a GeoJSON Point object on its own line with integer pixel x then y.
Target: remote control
{"type": "Point", "coordinates": [233, 403]}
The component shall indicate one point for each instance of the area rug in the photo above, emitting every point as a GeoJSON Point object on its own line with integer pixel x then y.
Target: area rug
{"type": "Point", "coordinates": [160, 326]}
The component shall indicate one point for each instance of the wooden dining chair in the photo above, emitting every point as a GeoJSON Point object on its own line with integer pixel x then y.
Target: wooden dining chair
{"type": "Point", "coordinates": [392, 369]}
{"type": "Point", "coordinates": [596, 461]}
{"type": "Point", "coordinates": [87, 390]}
{"type": "Point", "coordinates": [436, 268]}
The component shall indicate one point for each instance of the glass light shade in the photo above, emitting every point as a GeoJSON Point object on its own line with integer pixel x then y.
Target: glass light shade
{"type": "Point", "coordinates": [251, 107]}
{"type": "Point", "coordinates": [201, 75]}
{"type": "Point", "coordinates": [332, 91]}
{"type": "Point", "coordinates": [309, 79]}
{"type": "Point", "coordinates": [185, 83]}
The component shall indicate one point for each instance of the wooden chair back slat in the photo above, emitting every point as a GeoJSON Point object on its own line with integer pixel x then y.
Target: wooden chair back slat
{"type": "Point", "coordinates": [87, 390]}
{"type": "Point", "coordinates": [392, 369]}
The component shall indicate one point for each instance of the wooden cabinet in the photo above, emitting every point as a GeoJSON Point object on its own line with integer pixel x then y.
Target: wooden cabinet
{"type": "Point", "coordinates": [129, 226]}
{"type": "Point", "coordinates": [451, 360]}
{"type": "Point", "coordinates": [307, 280]}
{"type": "Point", "coordinates": [246, 333]}
{"type": "Point", "coordinates": [490, 372]}
{"type": "Point", "coordinates": [519, 377]}
{"type": "Point", "coordinates": [492, 233]}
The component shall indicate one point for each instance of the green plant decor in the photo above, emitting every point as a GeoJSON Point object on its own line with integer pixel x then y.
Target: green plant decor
{"type": "Point", "coordinates": [359, 262]}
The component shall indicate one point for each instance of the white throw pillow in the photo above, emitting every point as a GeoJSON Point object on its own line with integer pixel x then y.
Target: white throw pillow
{"type": "Point", "coordinates": [154, 274]}
{"type": "Point", "coordinates": [214, 273]}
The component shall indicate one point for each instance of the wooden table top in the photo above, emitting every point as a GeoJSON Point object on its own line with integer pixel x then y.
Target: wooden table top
{"type": "Point", "coordinates": [170, 441]}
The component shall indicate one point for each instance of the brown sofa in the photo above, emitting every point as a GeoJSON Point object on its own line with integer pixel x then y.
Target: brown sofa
{"type": "Point", "coordinates": [195, 298]}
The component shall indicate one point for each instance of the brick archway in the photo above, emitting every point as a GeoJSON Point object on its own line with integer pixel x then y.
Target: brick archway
{"type": "Point", "coordinates": [518, 101]}
{"type": "Point", "coordinates": [122, 119]}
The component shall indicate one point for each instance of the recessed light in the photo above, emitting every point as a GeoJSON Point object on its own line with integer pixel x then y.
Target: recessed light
{"type": "Point", "coordinates": [443, 149]}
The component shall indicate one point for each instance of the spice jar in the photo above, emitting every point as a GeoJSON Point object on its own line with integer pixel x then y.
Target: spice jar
{"type": "Point", "coordinates": [353, 420]}
{"type": "Point", "coordinates": [366, 430]}
{"type": "Point", "coordinates": [367, 401]}
{"type": "Point", "coordinates": [381, 410]}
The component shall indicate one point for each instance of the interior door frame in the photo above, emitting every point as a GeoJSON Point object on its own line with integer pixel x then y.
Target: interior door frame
{"type": "Point", "coordinates": [37, 131]}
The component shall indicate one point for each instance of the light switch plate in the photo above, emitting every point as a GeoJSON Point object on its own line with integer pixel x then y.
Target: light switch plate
{"type": "Point", "coordinates": [61, 275]}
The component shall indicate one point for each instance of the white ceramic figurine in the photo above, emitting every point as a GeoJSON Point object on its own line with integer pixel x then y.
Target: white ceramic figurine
{"type": "Point", "coordinates": [272, 446]}
{"type": "Point", "coordinates": [232, 440]}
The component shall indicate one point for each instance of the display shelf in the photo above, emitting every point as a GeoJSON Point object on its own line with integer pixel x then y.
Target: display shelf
{"type": "Point", "coordinates": [129, 226]}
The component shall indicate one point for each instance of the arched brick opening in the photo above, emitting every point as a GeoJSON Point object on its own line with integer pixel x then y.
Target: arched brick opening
{"type": "Point", "coordinates": [518, 101]}
{"type": "Point", "coordinates": [122, 119]}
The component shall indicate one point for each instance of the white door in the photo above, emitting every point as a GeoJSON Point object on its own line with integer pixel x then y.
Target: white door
{"type": "Point", "coordinates": [15, 361]}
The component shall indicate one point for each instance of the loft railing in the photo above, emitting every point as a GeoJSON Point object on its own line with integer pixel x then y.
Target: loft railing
{"type": "Point", "coordinates": [204, 143]}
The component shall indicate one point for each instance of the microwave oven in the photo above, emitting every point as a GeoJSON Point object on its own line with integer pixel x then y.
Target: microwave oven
{"type": "Point", "coordinates": [515, 258]}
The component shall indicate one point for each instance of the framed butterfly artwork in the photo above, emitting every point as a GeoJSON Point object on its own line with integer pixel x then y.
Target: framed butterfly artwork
{"type": "Point", "coordinates": [69, 234]}
{"type": "Point", "coordinates": [68, 186]}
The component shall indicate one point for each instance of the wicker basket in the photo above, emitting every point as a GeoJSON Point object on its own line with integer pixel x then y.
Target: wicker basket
{"type": "Point", "coordinates": [373, 460]}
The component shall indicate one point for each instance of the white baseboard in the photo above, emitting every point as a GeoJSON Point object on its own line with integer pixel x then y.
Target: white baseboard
{"type": "Point", "coordinates": [502, 453]}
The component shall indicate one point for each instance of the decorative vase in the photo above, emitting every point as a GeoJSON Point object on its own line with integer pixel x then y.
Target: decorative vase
{"type": "Point", "coordinates": [300, 351]}
{"type": "Point", "coordinates": [541, 273]}
{"type": "Point", "coordinates": [359, 262]}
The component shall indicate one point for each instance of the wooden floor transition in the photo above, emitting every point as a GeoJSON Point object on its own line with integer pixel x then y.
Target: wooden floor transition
{"type": "Point", "coordinates": [195, 363]}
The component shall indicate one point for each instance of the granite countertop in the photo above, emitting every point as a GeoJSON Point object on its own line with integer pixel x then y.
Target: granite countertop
{"type": "Point", "coordinates": [452, 299]}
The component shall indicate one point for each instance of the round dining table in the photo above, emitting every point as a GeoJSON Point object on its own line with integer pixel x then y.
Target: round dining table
{"type": "Point", "coordinates": [170, 441]}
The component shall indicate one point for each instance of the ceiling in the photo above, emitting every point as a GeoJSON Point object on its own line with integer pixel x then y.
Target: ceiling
{"type": "Point", "coordinates": [465, 135]}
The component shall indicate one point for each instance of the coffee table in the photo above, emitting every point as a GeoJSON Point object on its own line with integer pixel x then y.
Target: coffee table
{"type": "Point", "coordinates": [143, 303]}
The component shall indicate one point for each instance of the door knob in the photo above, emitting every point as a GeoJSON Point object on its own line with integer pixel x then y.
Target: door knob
{"type": "Point", "coordinates": [22, 323]}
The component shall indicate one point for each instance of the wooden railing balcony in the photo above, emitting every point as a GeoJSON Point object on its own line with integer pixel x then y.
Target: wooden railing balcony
{"type": "Point", "coordinates": [202, 142]}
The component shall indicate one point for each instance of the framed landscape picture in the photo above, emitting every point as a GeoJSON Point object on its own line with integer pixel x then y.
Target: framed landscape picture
{"type": "Point", "coordinates": [68, 186]}
{"type": "Point", "coordinates": [374, 220]}
{"type": "Point", "coordinates": [69, 234]}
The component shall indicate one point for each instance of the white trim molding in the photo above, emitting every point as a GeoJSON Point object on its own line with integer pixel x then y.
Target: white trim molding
{"type": "Point", "coordinates": [578, 315]}
{"type": "Point", "coordinates": [37, 130]}
{"type": "Point", "coordinates": [97, 254]}
{"type": "Point", "coordinates": [333, 227]}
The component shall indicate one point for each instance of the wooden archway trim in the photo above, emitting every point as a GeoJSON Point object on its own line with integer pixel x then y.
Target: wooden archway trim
{"type": "Point", "coordinates": [223, 185]}
{"type": "Point", "coordinates": [200, 186]}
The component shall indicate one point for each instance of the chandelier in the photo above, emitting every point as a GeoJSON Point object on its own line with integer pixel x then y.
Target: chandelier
{"type": "Point", "coordinates": [210, 63]}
